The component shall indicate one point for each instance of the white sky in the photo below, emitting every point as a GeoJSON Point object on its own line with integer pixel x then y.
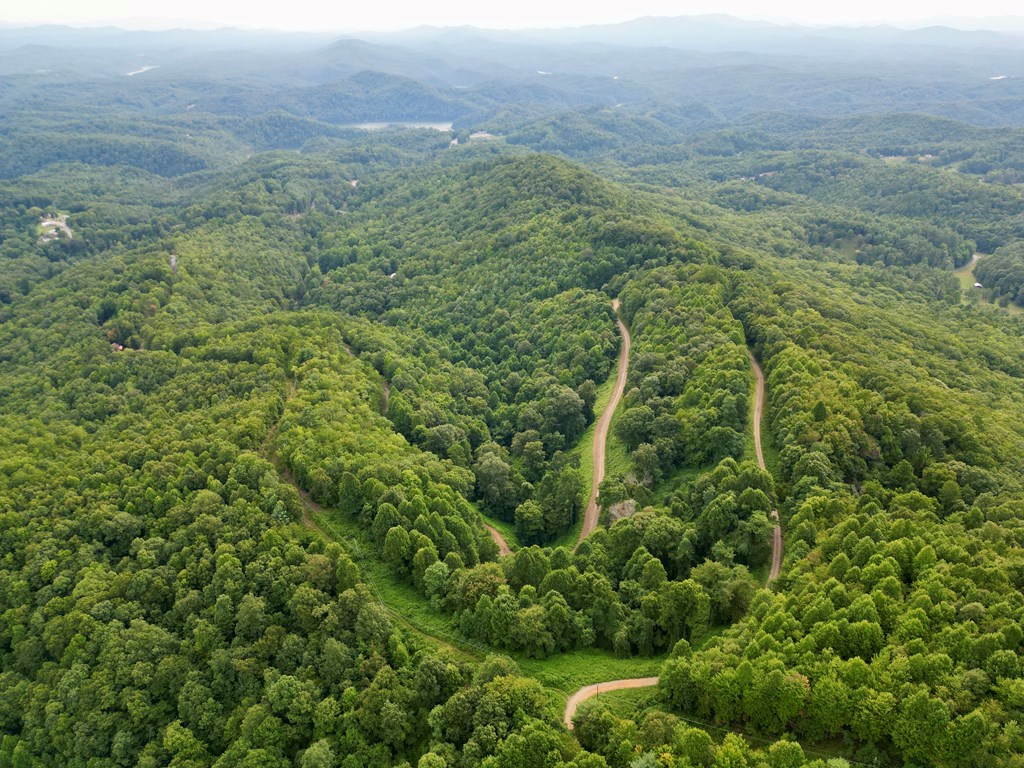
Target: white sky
{"type": "Point", "coordinates": [396, 14]}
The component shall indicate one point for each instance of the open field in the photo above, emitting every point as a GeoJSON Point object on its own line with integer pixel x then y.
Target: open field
{"type": "Point", "coordinates": [966, 277]}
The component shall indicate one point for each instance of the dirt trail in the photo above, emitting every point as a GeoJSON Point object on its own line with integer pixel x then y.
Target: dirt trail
{"type": "Point", "coordinates": [503, 548]}
{"type": "Point", "coordinates": [589, 691]}
{"type": "Point", "coordinates": [776, 550]}
{"type": "Point", "coordinates": [311, 508]}
{"type": "Point", "coordinates": [268, 451]}
{"type": "Point", "coordinates": [758, 412]}
{"type": "Point", "coordinates": [969, 265]}
{"type": "Point", "coordinates": [601, 431]}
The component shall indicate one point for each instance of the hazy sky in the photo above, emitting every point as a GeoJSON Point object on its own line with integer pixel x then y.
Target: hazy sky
{"type": "Point", "coordinates": [395, 14]}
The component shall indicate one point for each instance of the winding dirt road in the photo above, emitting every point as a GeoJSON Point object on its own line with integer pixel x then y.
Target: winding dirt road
{"type": "Point", "coordinates": [601, 430]}
{"type": "Point", "coordinates": [593, 690]}
{"type": "Point", "coordinates": [590, 691]}
{"type": "Point", "coordinates": [776, 568]}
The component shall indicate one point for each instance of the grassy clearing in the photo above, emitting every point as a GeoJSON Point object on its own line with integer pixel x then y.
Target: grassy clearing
{"type": "Point", "coordinates": [616, 456]}
{"type": "Point", "coordinates": [560, 675]}
{"type": "Point", "coordinates": [633, 703]}
{"type": "Point", "coordinates": [563, 673]}
{"type": "Point", "coordinates": [971, 294]}
{"type": "Point", "coordinates": [848, 246]}
{"type": "Point", "coordinates": [568, 672]}
{"type": "Point", "coordinates": [704, 638]}
{"type": "Point", "coordinates": [404, 603]}
{"type": "Point", "coordinates": [760, 572]}
{"type": "Point", "coordinates": [584, 449]}
{"type": "Point", "coordinates": [771, 454]}
{"type": "Point", "coordinates": [966, 276]}
{"type": "Point", "coordinates": [568, 537]}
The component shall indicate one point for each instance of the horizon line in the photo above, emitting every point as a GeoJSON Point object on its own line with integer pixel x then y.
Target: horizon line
{"type": "Point", "coordinates": [157, 25]}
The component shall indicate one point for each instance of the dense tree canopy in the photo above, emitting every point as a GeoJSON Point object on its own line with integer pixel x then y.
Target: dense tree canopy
{"type": "Point", "coordinates": [262, 398]}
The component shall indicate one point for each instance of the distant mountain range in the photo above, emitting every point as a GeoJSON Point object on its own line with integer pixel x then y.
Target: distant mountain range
{"type": "Point", "coordinates": [693, 71]}
{"type": "Point", "coordinates": [700, 32]}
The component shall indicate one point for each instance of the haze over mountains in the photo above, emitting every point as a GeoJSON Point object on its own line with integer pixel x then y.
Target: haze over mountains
{"type": "Point", "coordinates": [698, 32]}
{"type": "Point", "coordinates": [718, 66]}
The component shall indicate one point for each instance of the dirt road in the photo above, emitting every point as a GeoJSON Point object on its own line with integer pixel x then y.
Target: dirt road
{"type": "Point", "coordinates": [758, 412]}
{"type": "Point", "coordinates": [503, 548]}
{"type": "Point", "coordinates": [969, 266]}
{"type": "Point", "coordinates": [601, 430]}
{"type": "Point", "coordinates": [590, 691]}
{"type": "Point", "coordinates": [600, 439]}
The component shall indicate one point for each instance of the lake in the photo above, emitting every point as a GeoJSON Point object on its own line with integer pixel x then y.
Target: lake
{"type": "Point", "coordinates": [400, 124]}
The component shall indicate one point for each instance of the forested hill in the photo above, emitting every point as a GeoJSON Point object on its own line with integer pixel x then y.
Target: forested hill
{"type": "Point", "coordinates": [271, 384]}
